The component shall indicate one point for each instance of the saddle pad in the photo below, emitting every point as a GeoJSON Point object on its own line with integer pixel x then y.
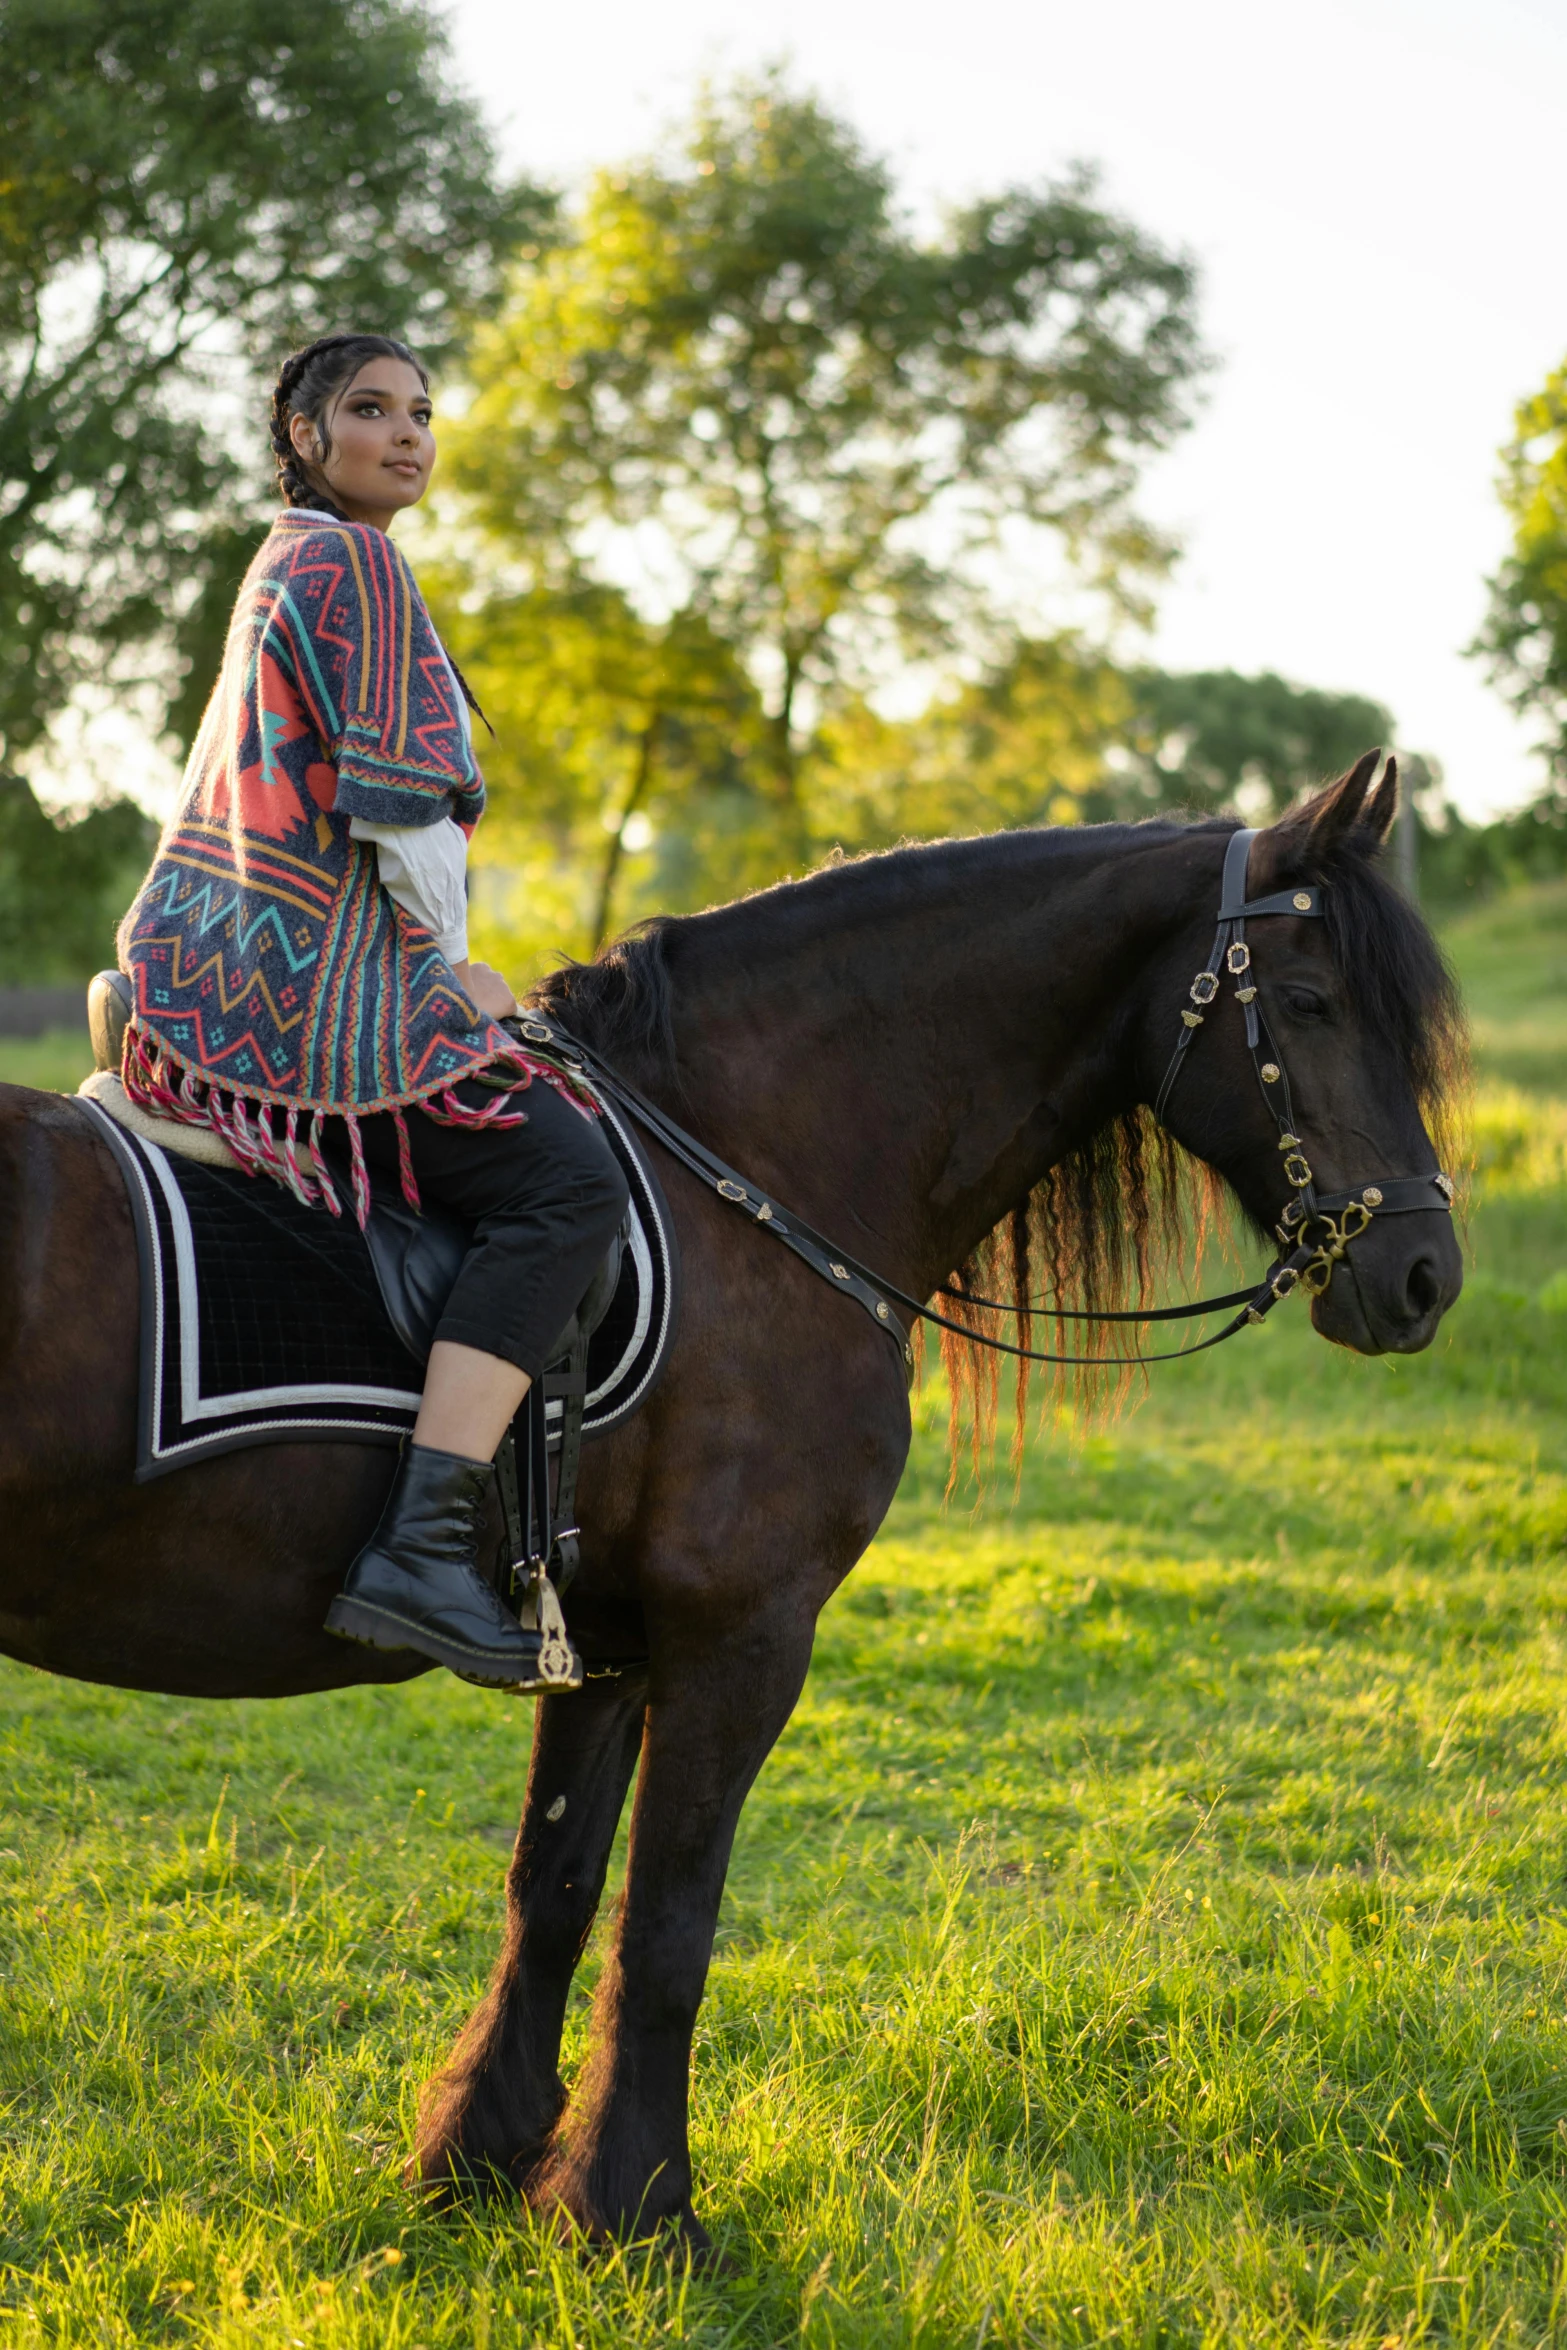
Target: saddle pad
{"type": "Point", "coordinates": [261, 1320]}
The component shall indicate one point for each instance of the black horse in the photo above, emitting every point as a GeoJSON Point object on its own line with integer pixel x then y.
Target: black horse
{"type": "Point", "coordinates": [916, 1052]}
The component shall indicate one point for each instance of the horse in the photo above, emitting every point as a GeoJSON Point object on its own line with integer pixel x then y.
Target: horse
{"type": "Point", "coordinates": [927, 1052]}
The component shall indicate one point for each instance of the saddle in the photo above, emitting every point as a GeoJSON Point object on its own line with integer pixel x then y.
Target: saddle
{"type": "Point", "coordinates": [416, 1258]}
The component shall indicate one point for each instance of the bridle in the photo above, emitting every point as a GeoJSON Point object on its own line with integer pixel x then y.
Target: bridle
{"type": "Point", "coordinates": [1314, 1232]}
{"type": "Point", "coordinates": [1322, 1224]}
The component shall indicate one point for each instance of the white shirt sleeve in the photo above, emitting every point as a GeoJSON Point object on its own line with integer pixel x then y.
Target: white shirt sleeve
{"type": "Point", "coordinates": [424, 868]}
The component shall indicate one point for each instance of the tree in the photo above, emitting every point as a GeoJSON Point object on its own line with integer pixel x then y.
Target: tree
{"type": "Point", "coordinates": [1054, 732]}
{"type": "Point", "coordinates": [1026, 743]}
{"type": "Point", "coordinates": [1524, 640]}
{"type": "Point", "coordinates": [1209, 739]}
{"type": "Point", "coordinates": [190, 187]}
{"type": "Point", "coordinates": [743, 378]}
{"type": "Point", "coordinates": [617, 766]}
{"type": "Point", "coordinates": [63, 887]}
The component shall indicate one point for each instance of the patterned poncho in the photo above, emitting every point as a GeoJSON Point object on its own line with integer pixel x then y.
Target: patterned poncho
{"type": "Point", "coordinates": [274, 977]}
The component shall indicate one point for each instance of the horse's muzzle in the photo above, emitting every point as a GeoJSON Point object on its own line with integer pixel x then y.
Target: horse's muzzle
{"type": "Point", "coordinates": [1392, 1287]}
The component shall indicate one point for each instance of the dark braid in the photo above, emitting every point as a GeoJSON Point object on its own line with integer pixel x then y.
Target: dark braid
{"type": "Point", "coordinates": [306, 386]}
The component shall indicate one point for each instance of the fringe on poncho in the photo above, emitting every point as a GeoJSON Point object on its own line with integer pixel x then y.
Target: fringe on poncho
{"type": "Point", "coordinates": [276, 983]}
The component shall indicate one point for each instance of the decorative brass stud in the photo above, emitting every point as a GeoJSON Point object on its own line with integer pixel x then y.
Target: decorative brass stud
{"type": "Point", "coordinates": [1372, 1196]}
{"type": "Point", "coordinates": [1245, 995]}
{"type": "Point", "coordinates": [1289, 1142]}
{"type": "Point", "coordinates": [1303, 901]}
{"type": "Point", "coordinates": [881, 1313]}
{"type": "Point", "coordinates": [764, 1214]}
{"type": "Point", "coordinates": [1192, 1019]}
{"type": "Point", "coordinates": [839, 1272]}
{"type": "Point", "coordinates": [1270, 1072]}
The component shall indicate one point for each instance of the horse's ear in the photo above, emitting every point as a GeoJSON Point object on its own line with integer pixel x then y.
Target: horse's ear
{"type": "Point", "coordinates": [1317, 825]}
{"type": "Point", "coordinates": [1382, 805]}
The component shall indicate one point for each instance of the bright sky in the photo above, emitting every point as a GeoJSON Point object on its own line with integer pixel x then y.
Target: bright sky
{"type": "Point", "coordinates": [1372, 189]}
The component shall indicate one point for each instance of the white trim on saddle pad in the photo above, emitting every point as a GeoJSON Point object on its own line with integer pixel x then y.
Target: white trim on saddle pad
{"type": "Point", "coordinates": [190, 1411]}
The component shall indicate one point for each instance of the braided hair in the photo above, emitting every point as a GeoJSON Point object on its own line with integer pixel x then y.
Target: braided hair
{"type": "Point", "coordinates": [307, 384]}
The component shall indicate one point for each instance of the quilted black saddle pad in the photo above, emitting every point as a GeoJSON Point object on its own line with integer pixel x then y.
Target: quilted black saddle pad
{"type": "Point", "coordinates": [262, 1321]}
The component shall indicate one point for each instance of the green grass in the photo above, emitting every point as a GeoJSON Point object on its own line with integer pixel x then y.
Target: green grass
{"type": "Point", "coordinates": [1152, 1928]}
{"type": "Point", "coordinates": [1512, 958]}
{"type": "Point", "coordinates": [56, 1061]}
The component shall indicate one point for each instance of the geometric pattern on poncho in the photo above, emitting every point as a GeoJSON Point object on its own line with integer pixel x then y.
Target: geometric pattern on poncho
{"type": "Point", "coordinates": [265, 956]}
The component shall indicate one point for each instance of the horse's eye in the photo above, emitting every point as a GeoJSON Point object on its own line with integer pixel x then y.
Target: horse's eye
{"type": "Point", "coordinates": [1305, 1003]}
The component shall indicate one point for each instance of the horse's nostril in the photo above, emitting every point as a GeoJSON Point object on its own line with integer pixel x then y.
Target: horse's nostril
{"type": "Point", "coordinates": [1422, 1289]}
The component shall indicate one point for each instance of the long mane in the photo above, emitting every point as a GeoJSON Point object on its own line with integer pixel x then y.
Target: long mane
{"type": "Point", "coordinates": [1115, 1224]}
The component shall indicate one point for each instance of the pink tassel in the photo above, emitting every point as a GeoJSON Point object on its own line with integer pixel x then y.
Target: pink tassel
{"type": "Point", "coordinates": [236, 1131]}
{"type": "Point", "coordinates": [299, 1182]}
{"type": "Point", "coordinates": [266, 1141]}
{"type": "Point", "coordinates": [329, 1198]}
{"type": "Point", "coordinates": [405, 1161]}
{"type": "Point", "coordinates": [449, 1111]}
{"type": "Point", "coordinates": [361, 1175]}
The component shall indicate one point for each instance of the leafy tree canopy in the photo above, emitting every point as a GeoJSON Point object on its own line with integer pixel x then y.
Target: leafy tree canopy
{"type": "Point", "coordinates": [1524, 640]}
{"type": "Point", "coordinates": [1209, 739]}
{"type": "Point", "coordinates": [189, 188]}
{"type": "Point", "coordinates": [619, 771]}
{"type": "Point", "coordinates": [742, 377]}
{"type": "Point", "coordinates": [63, 887]}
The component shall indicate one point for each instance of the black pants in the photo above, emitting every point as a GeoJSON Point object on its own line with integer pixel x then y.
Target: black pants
{"type": "Point", "coordinates": [545, 1200]}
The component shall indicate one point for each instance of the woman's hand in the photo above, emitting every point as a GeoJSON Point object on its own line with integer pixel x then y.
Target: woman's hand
{"type": "Point", "coordinates": [486, 988]}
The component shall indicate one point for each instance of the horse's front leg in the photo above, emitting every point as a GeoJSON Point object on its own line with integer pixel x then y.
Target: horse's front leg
{"type": "Point", "coordinates": [621, 2163]}
{"type": "Point", "coordinates": [487, 2116]}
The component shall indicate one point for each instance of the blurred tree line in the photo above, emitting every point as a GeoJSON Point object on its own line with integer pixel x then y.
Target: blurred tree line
{"type": "Point", "coordinates": [739, 451]}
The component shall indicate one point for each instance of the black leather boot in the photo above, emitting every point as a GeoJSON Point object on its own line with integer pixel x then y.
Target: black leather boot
{"type": "Point", "coordinates": [416, 1583]}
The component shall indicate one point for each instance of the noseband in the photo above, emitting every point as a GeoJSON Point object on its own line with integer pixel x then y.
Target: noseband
{"type": "Point", "coordinates": [1316, 1226]}
{"type": "Point", "coordinates": [1314, 1232]}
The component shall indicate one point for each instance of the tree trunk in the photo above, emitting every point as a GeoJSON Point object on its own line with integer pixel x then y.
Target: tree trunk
{"type": "Point", "coordinates": [641, 778]}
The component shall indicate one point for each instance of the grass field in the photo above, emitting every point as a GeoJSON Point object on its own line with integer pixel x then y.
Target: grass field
{"type": "Point", "coordinates": [1151, 1930]}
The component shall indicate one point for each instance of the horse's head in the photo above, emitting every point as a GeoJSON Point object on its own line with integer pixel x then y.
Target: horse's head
{"type": "Point", "coordinates": [1358, 1039]}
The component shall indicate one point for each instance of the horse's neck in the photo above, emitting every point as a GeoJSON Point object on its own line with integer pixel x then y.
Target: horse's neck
{"type": "Point", "coordinates": [902, 1065]}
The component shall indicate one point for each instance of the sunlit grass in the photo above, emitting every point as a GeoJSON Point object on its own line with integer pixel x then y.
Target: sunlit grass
{"type": "Point", "coordinates": [1151, 1929]}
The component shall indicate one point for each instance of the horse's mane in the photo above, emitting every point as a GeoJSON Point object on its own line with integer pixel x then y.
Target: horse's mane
{"type": "Point", "coordinates": [623, 1002]}
{"type": "Point", "coordinates": [1112, 1224]}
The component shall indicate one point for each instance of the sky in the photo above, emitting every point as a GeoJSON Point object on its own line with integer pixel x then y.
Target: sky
{"type": "Point", "coordinates": [1371, 191]}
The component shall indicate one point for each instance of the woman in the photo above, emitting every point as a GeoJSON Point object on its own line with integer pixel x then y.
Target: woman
{"type": "Point", "coordinates": [299, 954]}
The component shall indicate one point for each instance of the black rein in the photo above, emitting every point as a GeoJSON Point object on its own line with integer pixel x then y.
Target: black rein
{"type": "Point", "coordinates": [1313, 1234]}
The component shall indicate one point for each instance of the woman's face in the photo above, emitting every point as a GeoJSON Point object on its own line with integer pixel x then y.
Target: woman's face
{"type": "Point", "coordinates": [382, 449]}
